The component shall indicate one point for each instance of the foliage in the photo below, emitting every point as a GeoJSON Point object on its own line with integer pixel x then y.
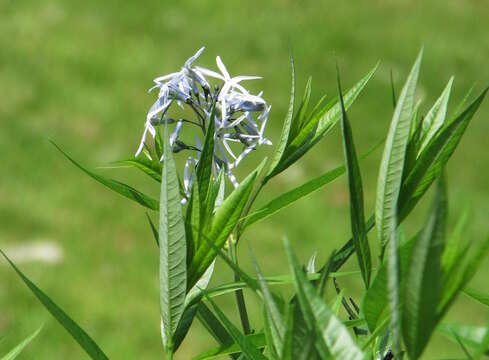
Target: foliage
{"type": "Point", "coordinates": [408, 290]}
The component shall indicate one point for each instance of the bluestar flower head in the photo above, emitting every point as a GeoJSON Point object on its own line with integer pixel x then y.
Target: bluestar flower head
{"type": "Point", "coordinates": [240, 117]}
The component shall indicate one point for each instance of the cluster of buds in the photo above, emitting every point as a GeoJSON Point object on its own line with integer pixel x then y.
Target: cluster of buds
{"type": "Point", "coordinates": [239, 116]}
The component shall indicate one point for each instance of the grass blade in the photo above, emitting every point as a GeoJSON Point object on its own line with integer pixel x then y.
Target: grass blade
{"type": "Point", "coordinates": [359, 231]}
{"type": "Point", "coordinates": [12, 354]}
{"type": "Point", "coordinates": [120, 188]}
{"type": "Point", "coordinates": [390, 174]}
{"type": "Point", "coordinates": [81, 337]}
{"type": "Point", "coordinates": [173, 250]}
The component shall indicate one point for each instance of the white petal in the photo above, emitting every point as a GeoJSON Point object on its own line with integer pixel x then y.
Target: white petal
{"type": "Point", "coordinates": [228, 148]}
{"type": "Point", "coordinates": [237, 79]}
{"type": "Point", "coordinates": [175, 133]}
{"type": "Point", "coordinates": [194, 57]}
{"type": "Point", "coordinates": [141, 144]}
{"type": "Point", "coordinates": [222, 67]}
{"type": "Point", "coordinates": [160, 79]}
{"type": "Point", "coordinates": [210, 73]}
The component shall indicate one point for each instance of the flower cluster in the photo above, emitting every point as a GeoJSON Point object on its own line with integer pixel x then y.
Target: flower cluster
{"type": "Point", "coordinates": [240, 117]}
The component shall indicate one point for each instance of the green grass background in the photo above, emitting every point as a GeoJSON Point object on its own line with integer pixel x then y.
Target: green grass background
{"type": "Point", "coordinates": [77, 72]}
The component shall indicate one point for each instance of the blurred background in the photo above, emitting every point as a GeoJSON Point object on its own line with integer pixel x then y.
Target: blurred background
{"type": "Point", "coordinates": [77, 72]}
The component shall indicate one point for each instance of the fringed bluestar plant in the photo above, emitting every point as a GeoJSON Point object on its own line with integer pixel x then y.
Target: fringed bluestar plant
{"type": "Point", "coordinates": [240, 117]}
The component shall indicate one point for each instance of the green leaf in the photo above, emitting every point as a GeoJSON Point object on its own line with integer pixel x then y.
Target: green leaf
{"type": "Point", "coordinates": [246, 346]}
{"type": "Point", "coordinates": [390, 174]}
{"type": "Point", "coordinates": [359, 231]}
{"type": "Point", "coordinates": [204, 166]}
{"type": "Point", "coordinates": [476, 337]}
{"type": "Point", "coordinates": [393, 288]}
{"type": "Point", "coordinates": [434, 120]}
{"type": "Point", "coordinates": [331, 333]}
{"type": "Point", "coordinates": [288, 351]}
{"type": "Point", "coordinates": [297, 193]}
{"type": "Point", "coordinates": [434, 157]}
{"type": "Point", "coordinates": [423, 284]}
{"type": "Point", "coordinates": [375, 301]}
{"type": "Point", "coordinates": [192, 301]}
{"type": "Point", "coordinates": [223, 223]}
{"type": "Point", "coordinates": [272, 311]}
{"type": "Point", "coordinates": [257, 340]}
{"type": "Point", "coordinates": [118, 187]}
{"type": "Point", "coordinates": [85, 341]}
{"type": "Point", "coordinates": [300, 116]}
{"type": "Point", "coordinates": [173, 250]}
{"type": "Point", "coordinates": [12, 354]}
{"type": "Point", "coordinates": [322, 120]}
{"type": "Point", "coordinates": [462, 277]}
{"type": "Point", "coordinates": [149, 167]}
{"type": "Point", "coordinates": [477, 295]}
{"type": "Point", "coordinates": [213, 325]}
{"type": "Point", "coordinates": [284, 136]}
{"type": "Point", "coordinates": [153, 230]}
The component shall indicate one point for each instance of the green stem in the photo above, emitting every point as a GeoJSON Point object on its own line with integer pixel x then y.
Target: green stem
{"type": "Point", "coordinates": [240, 301]}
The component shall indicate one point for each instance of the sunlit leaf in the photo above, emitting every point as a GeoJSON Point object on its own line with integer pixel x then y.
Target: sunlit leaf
{"type": "Point", "coordinates": [85, 341]}
{"type": "Point", "coordinates": [118, 187]}
{"type": "Point", "coordinates": [12, 354]}
{"type": "Point", "coordinates": [173, 249]}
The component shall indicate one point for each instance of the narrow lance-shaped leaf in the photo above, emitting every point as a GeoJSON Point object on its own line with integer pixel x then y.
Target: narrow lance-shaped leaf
{"type": "Point", "coordinates": [173, 252]}
{"type": "Point", "coordinates": [359, 231]}
{"type": "Point", "coordinates": [392, 163]}
{"type": "Point", "coordinates": [434, 157]}
{"type": "Point", "coordinates": [393, 284]}
{"type": "Point", "coordinates": [247, 347]}
{"type": "Point", "coordinates": [299, 192]}
{"type": "Point", "coordinates": [152, 168]}
{"type": "Point", "coordinates": [204, 166]}
{"type": "Point", "coordinates": [284, 136]}
{"type": "Point", "coordinates": [12, 354]}
{"type": "Point", "coordinates": [272, 311]}
{"type": "Point", "coordinates": [422, 288]}
{"type": "Point", "coordinates": [322, 120]}
{"type": "Point", "coordinates": [118, 187]}
{"type": "Point", "coordinates": [434, 120]}
{"type": "Point", "coordinates": [331, 332]}
{"type": "Point", "coordinates": [85, 341]}
{"type": "Point", "coordinates": [257, 340]}
{"type": "Point", "coordinates": [223, 223]}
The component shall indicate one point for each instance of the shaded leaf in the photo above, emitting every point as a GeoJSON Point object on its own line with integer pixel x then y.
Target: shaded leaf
{"type": "Point", "coordinates": [359, 231]}
{"type": "Point", "coordinates": [244, 343]}
{"type": "Point", "coordinates": [423, 284]}
{"type": "Point", "coordinates": [332, 334]}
